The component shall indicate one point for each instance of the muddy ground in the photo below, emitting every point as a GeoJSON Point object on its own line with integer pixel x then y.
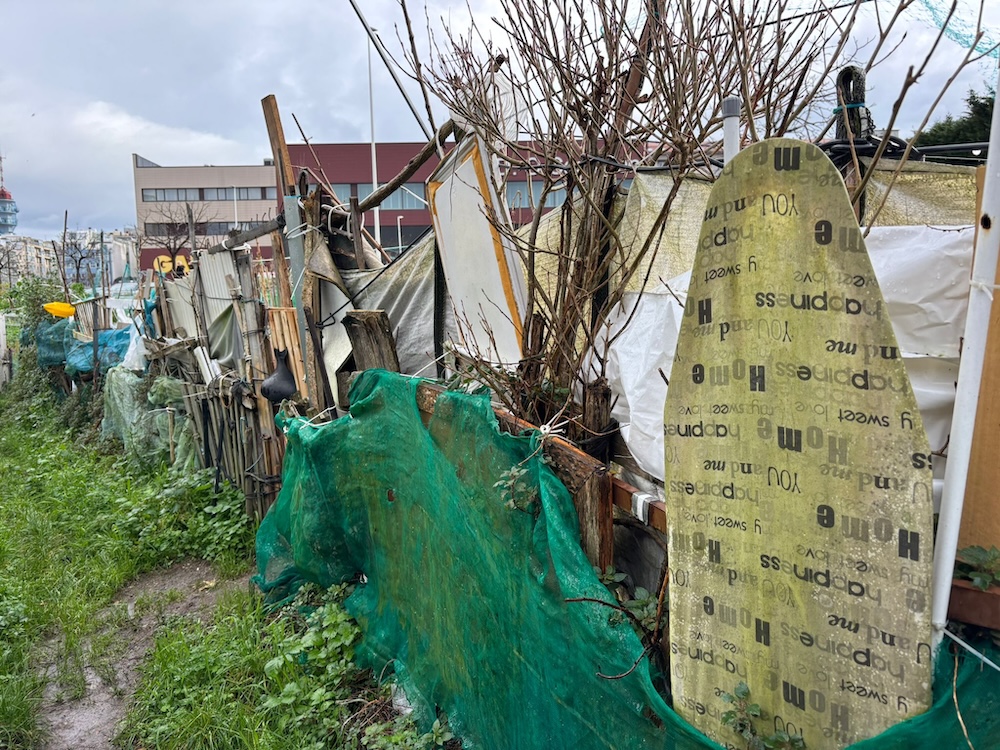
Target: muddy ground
{"type": "Point", "coordinates": [111, 671]}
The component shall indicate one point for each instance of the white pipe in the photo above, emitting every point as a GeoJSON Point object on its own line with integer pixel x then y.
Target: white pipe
{"type": "Point", "coordinates": [970, 374]}
{"type": "Point", "coordinates": [384, 54]}
{"type": "Point", "coordinates": [371, 115]}
{"type": "Point", "coordinates": [730, 127]}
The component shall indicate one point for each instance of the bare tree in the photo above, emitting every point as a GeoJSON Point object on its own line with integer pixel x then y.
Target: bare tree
{"type": "Point", "coordinates": [78, 250]}
{"type": "Point", "coordinates": [166, 228]}
{"type": "Point", "coordinates": [581, 93]}
{"type": "Point", "coordinates": [11, 261]}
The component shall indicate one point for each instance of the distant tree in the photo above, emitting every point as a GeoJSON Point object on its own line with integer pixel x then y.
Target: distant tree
{"type": "Point", "coordinates": [972, 127]}
{"type": "Point", "coordinates": [10, 257]}
{"type": "Point", "coordinates": [166, 229]}
{"type": "Point", "coordinates": [76, 252]}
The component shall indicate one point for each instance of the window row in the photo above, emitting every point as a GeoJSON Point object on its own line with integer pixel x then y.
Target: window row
{"type": "Point", "coordinates": [201, 229]}
{"type": "Point", "coordinates": [519, 196]}
{"type": "Point", "coordinates": [157, 195]}
{"type": "Point", "coordinates": [410, 197]}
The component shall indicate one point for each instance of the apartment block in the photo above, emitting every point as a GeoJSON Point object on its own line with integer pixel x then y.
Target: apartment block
{"type": "Point", "coordinates": [222, 198]}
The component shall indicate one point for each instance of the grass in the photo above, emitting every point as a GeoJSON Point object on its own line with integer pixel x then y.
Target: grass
{"type": "Point", "coordinates": [77, 521]}
{"type": "Point", "coordinates": [252, 680]}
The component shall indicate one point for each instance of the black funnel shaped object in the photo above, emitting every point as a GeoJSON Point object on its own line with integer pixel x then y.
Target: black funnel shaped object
{"type": "Point", "coordinates": [280, 384]}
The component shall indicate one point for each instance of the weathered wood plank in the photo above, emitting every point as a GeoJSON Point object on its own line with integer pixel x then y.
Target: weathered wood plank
{"type": "Point", "coordinates": [593, 499]}
{"type": "Point", "coordinates": [372, 341]}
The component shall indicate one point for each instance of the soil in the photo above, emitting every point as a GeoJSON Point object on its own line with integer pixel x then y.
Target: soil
{"type": "Point", "coordinates": [111, 672]}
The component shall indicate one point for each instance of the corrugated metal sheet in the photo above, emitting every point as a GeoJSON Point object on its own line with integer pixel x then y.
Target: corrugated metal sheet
{"type": "Point", "coordinates": [181, 309]}
{"type": "Point", "coordinates": [214, 269]}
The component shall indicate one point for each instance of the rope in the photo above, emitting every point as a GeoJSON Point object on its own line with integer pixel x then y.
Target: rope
{"type": "Point", "coordinates": [970, 649]}
{"type": "Point", "coordinates": [984, 287]}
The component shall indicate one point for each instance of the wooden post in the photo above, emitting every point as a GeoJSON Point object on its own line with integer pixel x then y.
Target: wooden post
{"type": "Point", "coordinates": [317, 346]}
{"type": "Point", "coordinates": [357, 225]}
{"type": "Point", "coordinates": [371, 338]}
{"type": "Point", "coordinates": [279, 148]}
{"type": "Point", "coordinates": [285, 180]}
{"type": "Point", "coordinates": [61, 257]}
{"type": "Point", "coordinates": [94, 331]}
{"type": "Point", "coordinates": [593, 500]}
{"type": "Point", "coordinates": [281, 270]}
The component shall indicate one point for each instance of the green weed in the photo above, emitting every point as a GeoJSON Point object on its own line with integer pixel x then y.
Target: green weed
{"type": "Point", "coordinates": [250, 680]}
{"type": "Point", "coordinates": [75, 525]}
{"type": "Point", "coordinates": [740, 718]}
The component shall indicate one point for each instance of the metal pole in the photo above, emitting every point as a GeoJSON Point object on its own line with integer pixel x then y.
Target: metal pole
{"type": "Point", "coordinates": [970, 375]}
{"type": "Point", "coordinates": [371, 115]}
{"type": "Point", "coordinates": [392, 71]}
{"type": "Point", "coordinates": [399, 236]}
{"type": "Point", "coordinates": [730, 127]}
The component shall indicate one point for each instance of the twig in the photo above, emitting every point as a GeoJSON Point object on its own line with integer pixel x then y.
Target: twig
{"type": "Point", "coordinates": [659, 601]}
{"type": "Point", "coordinates": [632, 668]}
{"type": "Point", "coordinates": [617, 607]}
{"type": "Point", "coordinates": [954, 695]}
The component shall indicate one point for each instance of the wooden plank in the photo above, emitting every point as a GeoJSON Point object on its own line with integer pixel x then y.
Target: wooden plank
{"type": "Point", "coordinates": [193, 407]}
{"type": "Point", "coordinates": [282, 281]}
{"type": "Point", "coordinates": [371, 339]}
{"type": "Point", "coordinates": [973, 606]}
{"type": "Point", "coordinates": [593, 501]}
{"type": "Point", "coordinates": [317, 344]}
{"type": "Point", "coordinates": [357, 225]}
{"type": "Point", "coordinates": [622, 494]}
{"type": "Point", "coordinates": [981, 512]}
{"type": "Point", "coordinates": [285, 180]}
{"type": "Point", "coordinates": [279, 147]}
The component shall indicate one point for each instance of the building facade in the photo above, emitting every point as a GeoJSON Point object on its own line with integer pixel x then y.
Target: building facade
{"type": "Point", "coordinates": [222, 198]}
{"type": "Point", "coordinates": [8, 211]}
{"type": "Point", "coordinates": [347, 168]}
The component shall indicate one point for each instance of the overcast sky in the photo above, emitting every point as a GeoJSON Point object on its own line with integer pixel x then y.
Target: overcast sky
{"type": "Point", "coordinates": [83, 85]}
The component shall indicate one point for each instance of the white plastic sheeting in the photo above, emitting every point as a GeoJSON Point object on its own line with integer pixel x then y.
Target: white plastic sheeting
{"type": "Point", "coordinates": [924, 275]}
{"type": "Point", "coordinates": [405, 290]}
{"type": "Point", "coordinates": [5, 354]}
{"type": "Point", "coordinates": [485, 279]}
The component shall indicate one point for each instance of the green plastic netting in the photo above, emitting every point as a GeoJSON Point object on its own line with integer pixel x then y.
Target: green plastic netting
{"type": "Point", "coordinates": [52, 340]}
{"type": "Point", "coordinates": [142, 421]}
{"type": "Point", "coordinates": [466, 597]}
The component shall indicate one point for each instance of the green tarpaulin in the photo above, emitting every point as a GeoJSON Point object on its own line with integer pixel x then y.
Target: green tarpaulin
{"type": "Point", "coordinates": [465, 596]}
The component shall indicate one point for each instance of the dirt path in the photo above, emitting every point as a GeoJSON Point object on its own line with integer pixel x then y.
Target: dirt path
{"type": "Point", "coordinates": [111, 672]}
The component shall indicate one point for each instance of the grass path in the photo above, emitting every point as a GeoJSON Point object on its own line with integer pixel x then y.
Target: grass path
{"type": "Point", "coordinates": [75, 526]}
{"type": "Point", "coordinates": [79, 643]}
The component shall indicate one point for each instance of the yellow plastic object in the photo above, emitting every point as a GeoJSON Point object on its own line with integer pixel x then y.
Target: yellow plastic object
{"type": "Point", "coordinates": [60, 309]}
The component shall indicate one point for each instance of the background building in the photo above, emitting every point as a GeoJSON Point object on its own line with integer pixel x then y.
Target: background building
{"type": "Point", "coordinates": [347, 167]}
{"type": "Point", "coordinates": [221, 199]}
{"type": "Point", "coordinates": [8, 208]}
